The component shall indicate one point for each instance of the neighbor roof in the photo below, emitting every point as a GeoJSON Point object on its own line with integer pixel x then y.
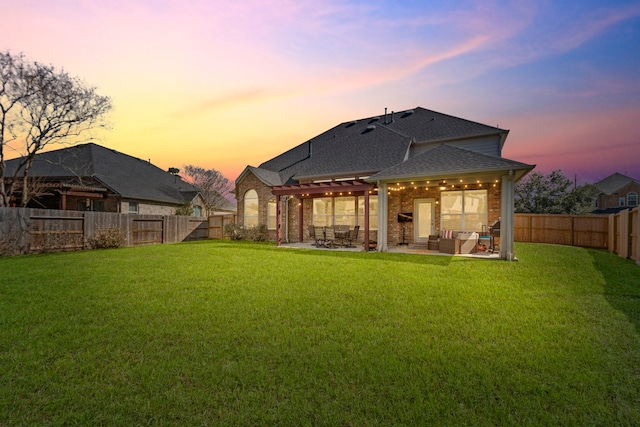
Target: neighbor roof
{"type": "Point", "coordinates": [127, 176]}
{"type": "Point", "coordinates": [613, 183]}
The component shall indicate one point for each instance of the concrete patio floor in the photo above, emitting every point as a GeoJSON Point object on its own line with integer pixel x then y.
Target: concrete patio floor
{"type": "Point", "coordinates": [405, 249]}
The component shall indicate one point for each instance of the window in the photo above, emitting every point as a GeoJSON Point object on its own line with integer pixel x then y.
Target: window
{"type": "Point", "coordinates": [272, 217]}
{"type": "Point", "coordinates": [345, 211]}
{"type": "Point", "coordinates": [621, 202]}
{"type": "Point", "coordinates": [632, 199]}
{"type": "Point", "coordinates": [463, 210]}
{"type": "Point", "coordinates": [91, 205]}
{"type": "Point", "coordinates": [349, 210]}
{"type": "Point", "coordinates": [133, 207]}
{"type": "Point", "coordinates": [197, 211]}
{"type": "Point", "coordinates": [251, 213]}
{"type": "Point", "coordinates": [373, 212]}
{"type": "Point", "coordinates": [323, 212]}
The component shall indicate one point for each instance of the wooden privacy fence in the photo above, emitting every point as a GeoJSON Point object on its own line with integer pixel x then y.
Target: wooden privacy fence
{"type": "Point", "coordinates": [590, 231]}
{"type": "Point", "coordinates": [623, 234]}
{"type": "Point", "coordinates": [617, 232]}
{"type": "Point", "coordinates": [42, 230]}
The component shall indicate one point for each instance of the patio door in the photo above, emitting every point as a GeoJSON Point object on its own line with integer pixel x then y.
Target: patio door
{"type": "Point", "coordinates": [424, 214]}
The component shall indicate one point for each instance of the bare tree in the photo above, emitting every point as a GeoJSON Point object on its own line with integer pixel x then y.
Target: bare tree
{"type": "Point", "coordinates": [40, 105]}
{"type": "Point", "coordinates": [212, 185]}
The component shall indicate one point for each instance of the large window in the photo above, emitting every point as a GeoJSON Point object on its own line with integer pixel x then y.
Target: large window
{"type": "Point", "coordinates": [345, 213]}
{"type": "Point", "coordinates": [323, 212]}
{"type": "Point", "coordinates": [632, 199]}
{"type": "Point", "coordinates": [373, 212]}
{"type": "Point", "coordinates": [272, 214]}
{"type": "Point", "coordinates": [463, 210]}
{"type": "Point", "coordinates": [347, 210]}
{"type": "Point", "coordinates": [251, 213]}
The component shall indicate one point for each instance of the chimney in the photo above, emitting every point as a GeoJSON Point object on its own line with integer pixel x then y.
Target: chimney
{"type": "Point", "coordinates": [385, 115]}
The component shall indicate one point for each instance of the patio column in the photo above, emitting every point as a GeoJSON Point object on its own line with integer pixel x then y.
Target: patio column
{"type": "Point", "coordinates": [278, 222]}
{"type": "Point", "coordinates": [507, 217]}
{"type": "Point", "coordinates": [366, 221]}
{"type": "Point", "coordinates": [300, 219]}
{"type": "Point", "coordinates": [383, 202]}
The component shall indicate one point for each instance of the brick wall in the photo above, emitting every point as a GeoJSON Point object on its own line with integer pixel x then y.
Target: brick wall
{"type": "Point", "coordinates": [399, 201]}
{"type": "Point", "coordinates": [613, 200]}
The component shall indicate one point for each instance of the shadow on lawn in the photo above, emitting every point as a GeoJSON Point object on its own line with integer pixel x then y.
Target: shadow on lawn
{"type": "Point", "coordinates": [386, 256]}
{"type": "Point", "coordinates": [621, 278]}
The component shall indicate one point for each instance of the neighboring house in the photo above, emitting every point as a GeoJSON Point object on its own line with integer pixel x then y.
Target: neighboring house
{"type": "Point", "coordinates": [442, 171]}
{"type": "Point", "coordinates": [95, 178]}
{"type": "Point", "coordinates": [617, 192]}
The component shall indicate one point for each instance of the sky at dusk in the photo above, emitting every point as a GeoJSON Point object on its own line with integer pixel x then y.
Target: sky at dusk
{"type": "Point", "coordinates": [223, 85]}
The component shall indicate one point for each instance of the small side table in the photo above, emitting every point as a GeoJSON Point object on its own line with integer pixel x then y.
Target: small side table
{"type": "Point", "coordinates": [433, 245]}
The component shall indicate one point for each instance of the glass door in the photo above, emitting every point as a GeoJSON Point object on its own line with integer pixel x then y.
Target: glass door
{"type": "Point", "coordinates": [423, 220]}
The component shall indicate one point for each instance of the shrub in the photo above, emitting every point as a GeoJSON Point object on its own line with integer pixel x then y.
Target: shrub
{"type": "Point", "coordinates": [257, 233]}
{"type": "Point", "coordinates": [234, 231]}
{"type": "Point", "coordinates": [107, 238]}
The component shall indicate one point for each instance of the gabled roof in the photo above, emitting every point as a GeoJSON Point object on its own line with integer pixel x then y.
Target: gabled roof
{"type": "Point", "coordinates": [127, 176]}
{"type": "Point", "coordinates": [613, 183]}
{"type": "Point", "coordinates": [443, 159]}
{"type": "Point", "coordinates": [366, 146]}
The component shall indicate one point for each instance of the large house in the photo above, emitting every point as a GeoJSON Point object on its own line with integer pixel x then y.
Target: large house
{"type": "Point", "coordinates": [91, 177]}
{"type": "Point", "coordinates": [440, 171]}
{"type": "Point", "coordinates": [616, 192]}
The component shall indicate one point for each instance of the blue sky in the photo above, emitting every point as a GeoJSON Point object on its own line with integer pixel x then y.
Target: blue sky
{"type": "Point", "coordinates": [226, 84]}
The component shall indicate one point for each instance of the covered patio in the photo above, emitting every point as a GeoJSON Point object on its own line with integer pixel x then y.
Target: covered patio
{"type": "Point", "coordinates": [354, 187]}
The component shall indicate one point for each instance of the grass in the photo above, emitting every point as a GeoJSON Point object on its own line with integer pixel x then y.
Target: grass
{"type": "Point", "coordinates": [247, 334]}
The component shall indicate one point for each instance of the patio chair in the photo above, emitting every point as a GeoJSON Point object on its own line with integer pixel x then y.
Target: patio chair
{"type": "Point", "coordinates": [312, 234]}
{"type": "Point", "coordinates": [353, 236]}
{"type": "Point", "coordinates": [329, 237]}
{"type": "Point", "coordinates": [318, 235]}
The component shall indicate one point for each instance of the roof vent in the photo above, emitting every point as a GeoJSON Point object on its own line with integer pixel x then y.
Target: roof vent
{"type": "Point", "coordinates": [352, 123]}
{"type": "Point", "coordinates": [374, 119]}
{"type": "Point", "coordinates": [369, 128]}
{"type": "Point", "coordinates": [407, 113]}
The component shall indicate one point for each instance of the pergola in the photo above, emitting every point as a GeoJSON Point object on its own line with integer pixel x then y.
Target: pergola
{"type": "Point", "coordinates": [353, 187]}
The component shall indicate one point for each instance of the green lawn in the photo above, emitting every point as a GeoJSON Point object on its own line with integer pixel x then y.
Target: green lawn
{"type": "Point", "coordinates": [235, 333]}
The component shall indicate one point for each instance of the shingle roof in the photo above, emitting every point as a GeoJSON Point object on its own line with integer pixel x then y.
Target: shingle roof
{"type": "Point", "coordinates": [446, 159]}
{"type": "Point", "coordinates": [613, 183]}
{"type": "Point", "coordinates": [369, 145]}
{"type": "Point", "coordinates": [125, 175]}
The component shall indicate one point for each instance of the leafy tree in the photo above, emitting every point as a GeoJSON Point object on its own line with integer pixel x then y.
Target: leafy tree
{"type": "Point", "coordinates": [552, 194]}
{"type": "Point", "coordinates": [40, 105]}
{"type": "Point", "coordinates": [212, 185]}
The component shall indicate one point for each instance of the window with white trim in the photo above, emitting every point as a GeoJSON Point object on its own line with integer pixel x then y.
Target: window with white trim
{"type": "Point", "coordinates": [373, 212]}
{"type": "Point", "coordinates": [632, 199]}
{"type": "Point", "coordinates": [272, 214]}
{"type": "Point", "coordinates": [345, 211]}
{"type": "Point", "coordinates": [323, 212]}
{"type": "Point", "coordinates": [464, 210]}
{"type": "Point", "coordinates": [134, 207]}
{"type": "Point", "coordinates": [621, 202]}
{"type": "Point", "coordinates": [251, 212]}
